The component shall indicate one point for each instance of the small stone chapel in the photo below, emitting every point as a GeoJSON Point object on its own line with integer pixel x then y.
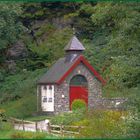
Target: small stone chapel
{"type": "Point", "coordinates": [70, 78]}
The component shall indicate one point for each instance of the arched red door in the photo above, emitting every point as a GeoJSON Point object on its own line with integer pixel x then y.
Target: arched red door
{"type": "Point", "coordinates": [78, 89]}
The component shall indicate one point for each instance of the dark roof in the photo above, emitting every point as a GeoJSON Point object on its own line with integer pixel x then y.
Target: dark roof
{"type": "Point", "coordinates": [57, 71]}
{"type": "Point", "coordinates": [74, 44]}
{"type": "Point", "coordinates": [62, 68]}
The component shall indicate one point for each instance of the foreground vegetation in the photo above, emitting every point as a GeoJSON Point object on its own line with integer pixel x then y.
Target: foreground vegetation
{"type": "Point", "coordinates": [98, 124]}
{"type": "Point", "coordinates": [7, 132]}
{"type": "Point", "coordinates": [110, 33]}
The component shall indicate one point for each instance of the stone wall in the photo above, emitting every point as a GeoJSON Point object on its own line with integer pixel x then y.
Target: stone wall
{"type": "Point", "coordinates": [94, 90]}
{"type": "Point", "coordinates": [112, 103]}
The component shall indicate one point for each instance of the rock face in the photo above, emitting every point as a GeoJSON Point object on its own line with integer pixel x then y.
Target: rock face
{"type": "Point", "coordinates": [11, 65]}
{"type": "Point", "coordinates": [17, 51]}
{"type": "Point", "coordinates": [61, 23]}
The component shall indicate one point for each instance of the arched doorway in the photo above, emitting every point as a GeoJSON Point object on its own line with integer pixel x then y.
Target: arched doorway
{"type": "Point", "coordinates": [78, 89]}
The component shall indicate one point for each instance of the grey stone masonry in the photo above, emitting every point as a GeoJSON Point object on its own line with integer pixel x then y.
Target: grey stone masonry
{"type": "Point", "coordinates": [94, 89]}
{"type": "Point", "coordinates": [112, 103]}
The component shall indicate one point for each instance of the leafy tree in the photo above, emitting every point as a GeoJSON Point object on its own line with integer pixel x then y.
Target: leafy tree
{"type": "Point", "coordinates": [50, 50]}
{"type": "Point", "coordinates": [122, 47]}
{"type": "Point", "coordinates": [10, 26]}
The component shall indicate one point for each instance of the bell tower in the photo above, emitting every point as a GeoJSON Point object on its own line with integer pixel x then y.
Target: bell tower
{"type": "Point", "coordinates": [73, 49]}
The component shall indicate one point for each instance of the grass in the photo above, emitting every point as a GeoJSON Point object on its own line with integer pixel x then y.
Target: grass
{"type": "Point", "coordinates": [24, 85]}
{"type": "Point", "coordinates": [104, 123]}
{"type": "Point", "coordinates": [38, 118]}
{"type": "Point", "coordinates": [21, 108]}
{"type": "Point", "coordinates": [7, 132]}
{"type": "Point", "coordinates": [110, 92]}
{"type": "Point", "coordinates": [32, 135]}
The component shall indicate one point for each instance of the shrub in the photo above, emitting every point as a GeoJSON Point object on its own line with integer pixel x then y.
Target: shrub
{"type": "Point", "coordinates": [103, 124]}
{"type": "Point", "coordinates": [5, 126]}
{"type": "Point", "coordinates": [78, 104]}
{"type": "Point", "coordinates": [68, 118]}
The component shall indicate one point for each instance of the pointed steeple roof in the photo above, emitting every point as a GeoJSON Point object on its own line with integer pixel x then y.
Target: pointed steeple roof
{"type": "Point", "coordinates": [74, 45]}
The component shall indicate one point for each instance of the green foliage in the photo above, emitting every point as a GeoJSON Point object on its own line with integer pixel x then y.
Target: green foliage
{"type": "Point", "coordinates": [50, 50]}
{"type": "Point", "coordinates": [6, 130]}
{"type": "Point", "coordinates": [18, 93]}
{"type": "Point", "coordinates": [99, 123]}
{"type": "Point", "coordinates": [5, 126]}
{"type": "Point", "coordinates": [5, 134]}
{"type": "Point", "coordinates": [103, 124]}
{"type": "Point", "coordinates": [133, 119]}
{"type": "Point", "coordinates": [78, 104]}
{"type": "Point", "coordinates": [21, 108]}
{"type": "Point", "coordinates": [122, 47]}
{"type": "Point", "coordinates": [133, 123]}
{"type": "Point", "coordinates": [49, 10]}
{"type": "Point", "coordinates": [68, 118]}
{"type": "Point", "coordinates": [115, 51]}
{"type": "Point", "coordinates": [30, 135]}
{"type": "Point", "coordinates": [2, 74]}
{"type": "Point", "coordinates": [2, 116]}
{"type": "Point", "coordinates": [124, 73]}
{"type": "Point", "coordinates": [82, 21]}
{"type": "Point", "coordinates": [10, 27]}
{"type": "Point", "coordinates": [38, 118]}
{"type": "Point", "coordinates": [45, 30]}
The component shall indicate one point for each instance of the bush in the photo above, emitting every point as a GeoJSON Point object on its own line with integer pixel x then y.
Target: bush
{"type": "Point", "coordinates": [68, 118]}
{"type": "Point", "coordinates": [78, 104]}
{"type": "Point", "coordinates": [5, 126]}
{"type": "Point", "coordinates": [103, 124]}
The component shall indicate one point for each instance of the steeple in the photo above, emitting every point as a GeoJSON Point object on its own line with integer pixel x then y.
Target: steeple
{"type": "Point", "coordinates": [74, 45]}
{"type": "Point", "coordinates": [73, 48]}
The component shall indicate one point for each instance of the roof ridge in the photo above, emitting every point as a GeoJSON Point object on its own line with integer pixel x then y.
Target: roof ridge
{"type": "Point", "coordinates": [86, 63]}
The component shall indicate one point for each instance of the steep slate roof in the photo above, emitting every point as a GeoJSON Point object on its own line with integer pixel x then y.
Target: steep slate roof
{"type": "Point", "coordinates": [74, 45]}
{"type": "Point", "coordinates": [56, 71]}
{"type": "Point", "coordinates": [61, 69]}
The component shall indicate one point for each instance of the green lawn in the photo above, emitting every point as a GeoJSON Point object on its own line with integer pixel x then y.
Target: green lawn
{"type": "Point", "coordinates": [38, 118]}
{"type": "Point", "coordinates": [5, 134]}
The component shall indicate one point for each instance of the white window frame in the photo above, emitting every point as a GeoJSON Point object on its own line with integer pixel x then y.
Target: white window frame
{"type": "Point", "coordinates": [47, 93]}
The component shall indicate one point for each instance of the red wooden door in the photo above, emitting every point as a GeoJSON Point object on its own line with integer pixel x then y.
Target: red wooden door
{"type": "Point", "coordinates": [78, 92]}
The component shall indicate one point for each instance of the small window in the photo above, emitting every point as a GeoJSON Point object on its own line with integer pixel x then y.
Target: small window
{"type": "Point", "coordinates": [50, 100]}
{"type": "Point", "coordinates": [50, 87]}
{"type": "Point", "coordinates": [45, 87]}
{"type": "Point", "coordinates": [44, 99]}
{"type": "Point", "coordinates": [78, 80]}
